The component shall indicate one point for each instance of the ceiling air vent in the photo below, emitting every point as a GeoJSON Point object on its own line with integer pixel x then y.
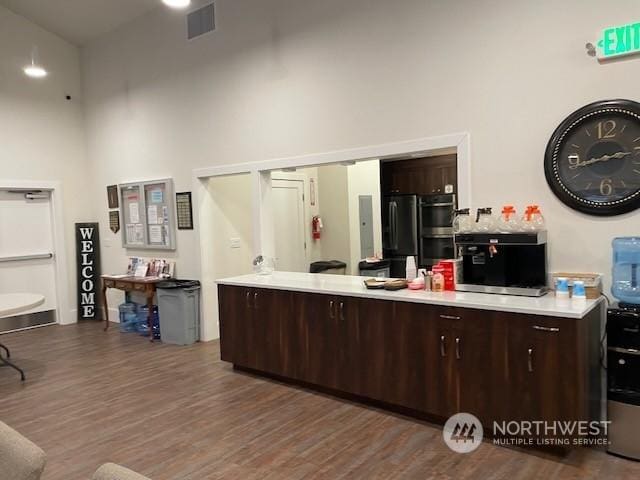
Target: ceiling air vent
{"type": "Point", "coordinates": [201, 21]}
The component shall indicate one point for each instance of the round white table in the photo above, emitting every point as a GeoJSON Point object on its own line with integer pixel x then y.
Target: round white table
{"type": "Point", "coordinates": [12, 304]}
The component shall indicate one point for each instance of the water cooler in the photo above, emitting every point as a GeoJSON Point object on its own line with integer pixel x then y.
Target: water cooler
{"type": "Point", "coordinates": [623, 351]}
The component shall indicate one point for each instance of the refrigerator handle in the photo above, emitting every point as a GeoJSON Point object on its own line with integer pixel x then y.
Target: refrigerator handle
{"type": "Point", "coordinates": [389, 240]}
{"type": "Point", "coordinates": [394, 224]}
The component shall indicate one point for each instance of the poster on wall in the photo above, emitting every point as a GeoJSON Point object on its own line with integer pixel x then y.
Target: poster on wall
{"type": "Point", "coordinates": [114, 221]}
{"type": "Point", "coordinates": [112, 196]}
{"type": "Point", "coordinates": [88, 270]}
{"type": "Point", "coordinates": [184, 211]}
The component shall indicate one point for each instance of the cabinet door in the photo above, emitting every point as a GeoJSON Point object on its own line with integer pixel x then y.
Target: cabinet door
{"type": "Point", "coordinates": [479, 350]}
{"type": "Point", "coordinates": [235, 314]}
{"type": "Point", "coordinates": [291, 327]}
{"type": "Point", "coordinates": [543, 371]}
{"type": "Point", "coordinates": [346, 337]}
{"type": "Point", "coordinates": [441, 373]}
{"type": "Point", "coordinates": [412, 355]}
{"type": "Point", "coordinates": [320, 314]}
{"type": "Point", "coordinates": [371, 350]}
{"type": "Point", "coordinates": [254, 335]}
{"type": "Point", "coordinates": [273, 309]}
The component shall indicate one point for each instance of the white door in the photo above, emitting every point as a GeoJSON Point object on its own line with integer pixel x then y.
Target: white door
{"type": "Point", "coordinates": [27, 261]}
{"type": "Point", "coordinates": [289, 225]}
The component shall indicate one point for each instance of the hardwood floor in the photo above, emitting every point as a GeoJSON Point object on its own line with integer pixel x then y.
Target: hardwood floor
{"type": "Point", "coordinates": [180, 413]}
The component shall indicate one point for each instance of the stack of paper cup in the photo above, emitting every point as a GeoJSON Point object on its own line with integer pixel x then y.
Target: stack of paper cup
{"type": "Point", "coordinates": [562, 288]}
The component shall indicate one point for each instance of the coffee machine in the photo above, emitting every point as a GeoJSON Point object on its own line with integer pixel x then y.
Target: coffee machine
{"type": "Point", "coordinates": [503, 263]}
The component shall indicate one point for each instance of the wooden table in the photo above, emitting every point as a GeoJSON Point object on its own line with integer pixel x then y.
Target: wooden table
{"type": "Point", "coordinates": [11, 304]}
{"type": "Point", "coordinates": [143, 285]}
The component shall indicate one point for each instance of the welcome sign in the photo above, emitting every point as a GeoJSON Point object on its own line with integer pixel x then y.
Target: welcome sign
{"type": "Point", "coordinates": [88, 269]}
{"type": "Point", "coordinates": [619, 41]}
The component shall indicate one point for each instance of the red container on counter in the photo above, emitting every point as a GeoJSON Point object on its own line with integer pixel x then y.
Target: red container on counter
{"type": "Point", "coordinates": [451, 270]}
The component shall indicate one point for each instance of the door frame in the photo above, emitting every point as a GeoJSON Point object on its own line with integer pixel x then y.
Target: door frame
{"type": "Point", "coordinates": [260, 171]}
{"type": "Point", "coordinates": [64, 314]}
{"type": "Point", "coordinates": [304, 178]}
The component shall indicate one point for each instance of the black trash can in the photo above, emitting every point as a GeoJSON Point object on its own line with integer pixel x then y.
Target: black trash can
{"type": "Point", "coordinates": [381, 268]}
{"type": "Point", "coordinates": [335, 267]}
{"type": "Point", "coordinates": [179, 308]}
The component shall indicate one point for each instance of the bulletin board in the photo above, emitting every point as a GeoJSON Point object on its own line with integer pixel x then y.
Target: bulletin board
{"type": "Point", "coordinates": [147, 215]}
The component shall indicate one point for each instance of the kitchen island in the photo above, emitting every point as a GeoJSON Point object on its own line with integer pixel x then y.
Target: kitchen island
{"type": "Point", "coordinates": [425, 354]}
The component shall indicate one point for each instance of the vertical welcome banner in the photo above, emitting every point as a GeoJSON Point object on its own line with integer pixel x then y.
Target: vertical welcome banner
{"type": "Point", "coordinates": [88, 270]}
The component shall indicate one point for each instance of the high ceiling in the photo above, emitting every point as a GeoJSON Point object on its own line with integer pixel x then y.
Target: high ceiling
{"type": "Point", "coordinates": [80, 21]}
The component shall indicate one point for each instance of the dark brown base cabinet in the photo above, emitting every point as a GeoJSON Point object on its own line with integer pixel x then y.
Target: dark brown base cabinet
{"type": "Point", "coordinates": [429, 359]}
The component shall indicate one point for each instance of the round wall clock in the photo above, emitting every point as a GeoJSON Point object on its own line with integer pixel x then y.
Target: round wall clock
{"type": "Point", "coordinates": [592, 162]}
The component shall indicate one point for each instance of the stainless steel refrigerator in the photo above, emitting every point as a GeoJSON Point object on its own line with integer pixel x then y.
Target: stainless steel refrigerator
{"type": "Point", "coordinates": [399, 231]}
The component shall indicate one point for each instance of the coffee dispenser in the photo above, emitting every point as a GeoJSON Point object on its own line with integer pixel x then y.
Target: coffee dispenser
{"type": "Point", "coordinates": [504, 263]}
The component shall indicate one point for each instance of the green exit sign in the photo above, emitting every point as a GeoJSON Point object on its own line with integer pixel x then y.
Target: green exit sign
{"type": "Point", "coordinates": [619, 41]}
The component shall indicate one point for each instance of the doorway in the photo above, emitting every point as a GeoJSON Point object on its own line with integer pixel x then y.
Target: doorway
{"type": "Point", "coordinates": [289, 222]}
{"type": "Point", "coordinates": [27, 261]}
{"type": "Point", "coordinates": [262, 213]}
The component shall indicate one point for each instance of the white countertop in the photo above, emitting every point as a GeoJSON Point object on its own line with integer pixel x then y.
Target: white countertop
{"type": "Point", "coordinates": [353, 287]}
{"type": "Point", "coordinates": [14, 303]}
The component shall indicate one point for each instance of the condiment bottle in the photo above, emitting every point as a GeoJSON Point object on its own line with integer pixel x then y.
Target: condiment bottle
{"type": "Point", "coordinates": [428, 281]}
{"type": "Point", "coordinates": [438, 279]}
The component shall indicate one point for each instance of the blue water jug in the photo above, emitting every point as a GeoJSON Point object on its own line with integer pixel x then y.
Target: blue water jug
{"type": "Point", "coordinates": [143, 325]}
{"type": "Point", "coordinates": [626, 271]}
{"type": "Point", "coordinates": [128, 317]}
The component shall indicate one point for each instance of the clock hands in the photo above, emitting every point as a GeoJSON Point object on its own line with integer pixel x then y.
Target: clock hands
{"type": "Point", "coordinates": [604, 158]}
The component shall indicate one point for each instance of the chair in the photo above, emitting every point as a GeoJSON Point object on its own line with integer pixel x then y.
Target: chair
{"type": "Point", "coordinates": [20, 459]}
{"type": "Point", "coordinates": [111, 471]}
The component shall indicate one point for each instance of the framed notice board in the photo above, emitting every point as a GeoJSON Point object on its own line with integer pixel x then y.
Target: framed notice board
{"type": "Point", "coordinates": [147, 215]}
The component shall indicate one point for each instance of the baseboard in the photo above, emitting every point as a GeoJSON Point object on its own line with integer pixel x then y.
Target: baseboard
{"type": "Point", "coordinates": [27, 321]}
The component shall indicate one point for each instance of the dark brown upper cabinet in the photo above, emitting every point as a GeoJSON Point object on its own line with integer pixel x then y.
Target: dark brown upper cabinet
{"type": "Point", "coordinates": [419, 176]}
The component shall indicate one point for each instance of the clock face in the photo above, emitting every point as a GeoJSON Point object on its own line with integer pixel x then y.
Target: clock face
{"type": "Point", "coordinates": [592, 161]}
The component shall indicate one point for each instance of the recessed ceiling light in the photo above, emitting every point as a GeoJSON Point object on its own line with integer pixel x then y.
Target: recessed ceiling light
{"type": "Point", "coordinates": [35, 71]}
{"type": "Point", "coordinates": [177, 3]}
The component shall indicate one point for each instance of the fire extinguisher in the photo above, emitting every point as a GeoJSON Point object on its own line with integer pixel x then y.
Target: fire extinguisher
{"type": "Point", "coordinates": [316, 227]}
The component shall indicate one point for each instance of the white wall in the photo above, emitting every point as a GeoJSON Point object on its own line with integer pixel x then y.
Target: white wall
{"type": "Point", "coordinates": [41, 133]}
{"type": "Point", "coordinates": [288, 77]}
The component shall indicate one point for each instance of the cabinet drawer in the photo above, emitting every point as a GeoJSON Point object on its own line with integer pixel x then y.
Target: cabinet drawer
{"type": "Point", "coordinates": [139, 287]}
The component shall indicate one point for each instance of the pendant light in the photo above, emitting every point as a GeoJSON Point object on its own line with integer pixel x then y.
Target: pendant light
{"type": "Point", "coordinates": [177, 3]}
{"type": "Point", "coordinates": [34, 69]}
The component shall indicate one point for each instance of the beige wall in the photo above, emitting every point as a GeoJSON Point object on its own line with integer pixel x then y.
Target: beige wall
{"type": "Point", "coordinates": [288, 77]}
{"type": "Point", "coordinates": [334, 209]}
{"type": "Point", "coordinates": [231, 217]}
{"type": "Point", "coordinates": [363, 178]}
{"type": "Point", "coordinates": [41, 133]}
